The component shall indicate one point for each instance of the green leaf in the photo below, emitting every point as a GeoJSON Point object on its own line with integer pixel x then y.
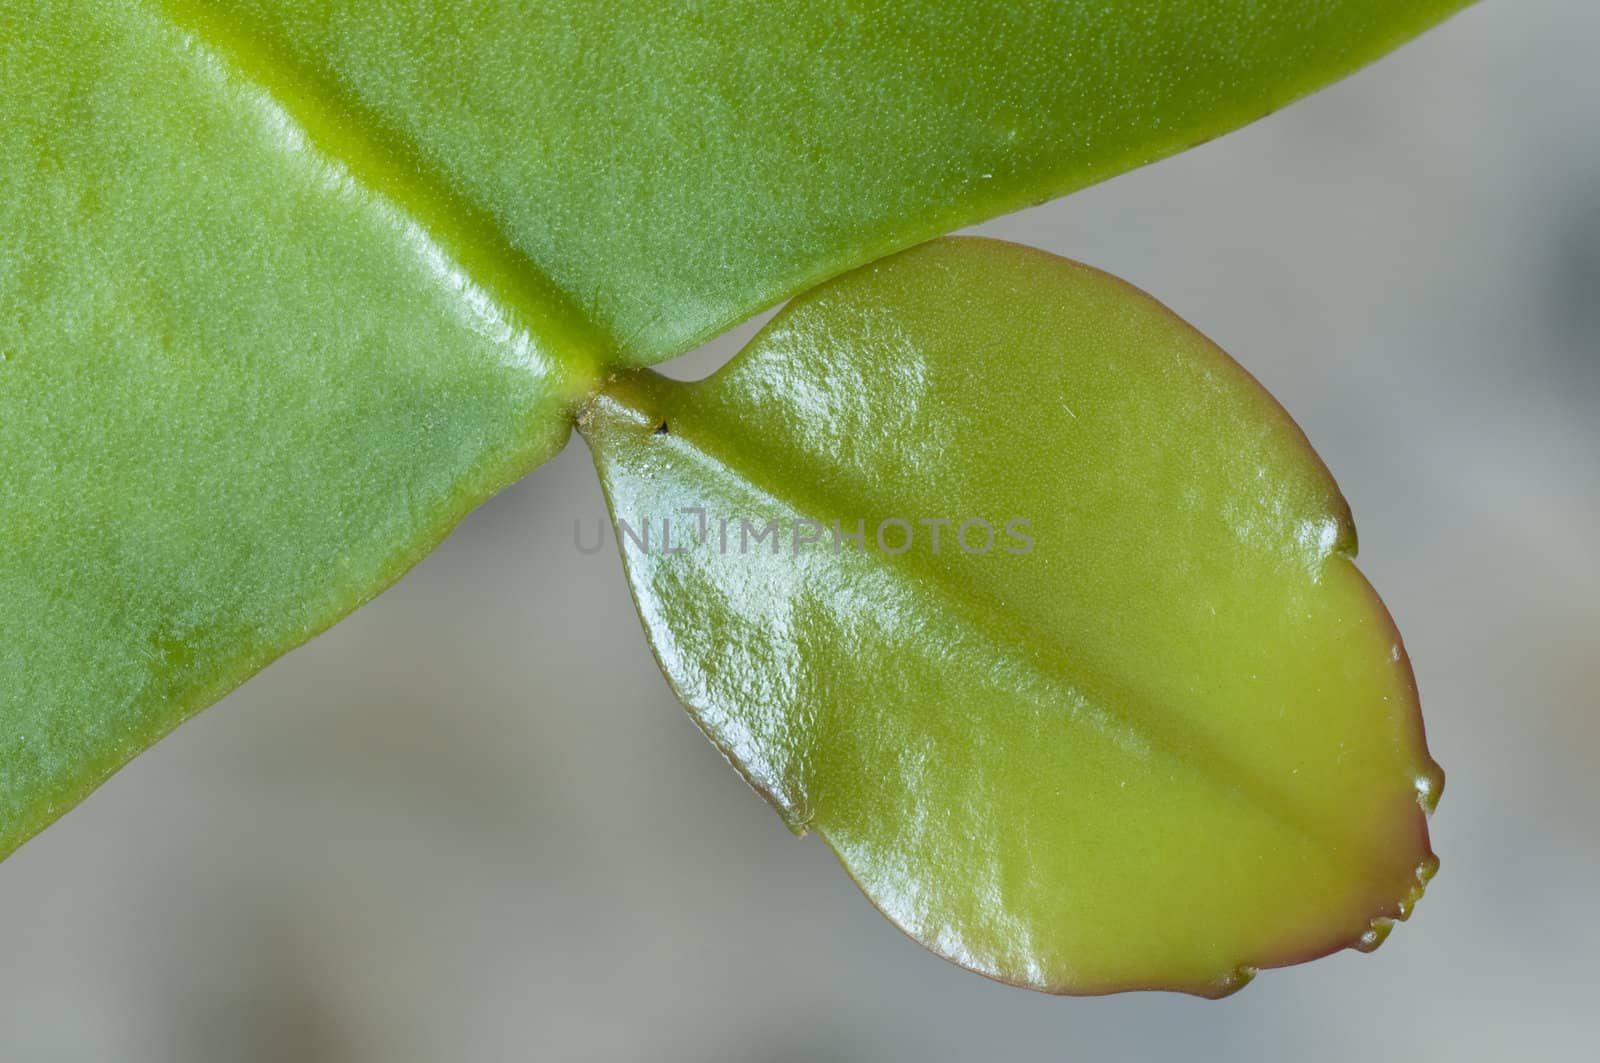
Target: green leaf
{"type": "Point", "coordinates": [1133, 719]}
{"type": "Point", "coordinates": [676, 167]}
{"type": "Point", "coordinates": [239, 393]}
{"type": "Point", "coordinates": [286, 289]}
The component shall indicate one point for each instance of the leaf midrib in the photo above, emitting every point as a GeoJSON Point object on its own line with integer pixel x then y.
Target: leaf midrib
{"type": "Point", "coordinates": [384, 164]}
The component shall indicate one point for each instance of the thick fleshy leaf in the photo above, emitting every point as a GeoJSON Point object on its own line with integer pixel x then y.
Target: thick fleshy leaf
{"type": "Point", "coordinates": [675, 167]}
{"type": "Point", "coordinates": [1097, 699]}
{"type": "Point", "coordinates": [285, 288]}
{"type": "Point", "coordinates": [239, 393]}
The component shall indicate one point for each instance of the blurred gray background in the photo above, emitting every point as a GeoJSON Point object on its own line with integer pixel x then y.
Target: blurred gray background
{"type": "Point", "coordinates": [471, 823]}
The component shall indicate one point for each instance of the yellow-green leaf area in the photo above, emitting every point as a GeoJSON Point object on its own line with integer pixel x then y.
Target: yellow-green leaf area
{"type": "Point", "coordinates": [1136, 720]}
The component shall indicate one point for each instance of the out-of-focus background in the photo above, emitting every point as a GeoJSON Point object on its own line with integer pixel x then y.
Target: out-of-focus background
{"type": "Point", "coordinates": [471, 823]}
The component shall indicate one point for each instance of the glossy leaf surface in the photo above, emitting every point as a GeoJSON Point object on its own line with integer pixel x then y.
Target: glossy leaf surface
{"type": "Point", "coordinates": [239, 393]}
{"type": "Point", "coordinates": [676, 167]}
{"type": "Point", "coordinates": [1134, 718]}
